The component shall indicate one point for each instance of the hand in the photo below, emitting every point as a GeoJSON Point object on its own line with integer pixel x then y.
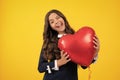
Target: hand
{"type": "Point", "coordinates": [64, 59]}
{"type": "Point", "coordinates": [96, 44]}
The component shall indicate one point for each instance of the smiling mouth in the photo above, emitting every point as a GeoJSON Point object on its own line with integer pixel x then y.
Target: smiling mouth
{"type": "Point", "coordinates": [59, 24]}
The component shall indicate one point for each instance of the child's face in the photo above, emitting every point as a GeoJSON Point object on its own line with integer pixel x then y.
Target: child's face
{"type": "Point", "coordinates": [57, 23]}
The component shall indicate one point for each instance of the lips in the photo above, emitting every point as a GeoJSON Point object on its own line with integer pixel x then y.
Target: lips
{"type": "Point", "coordinates": [59, 24]}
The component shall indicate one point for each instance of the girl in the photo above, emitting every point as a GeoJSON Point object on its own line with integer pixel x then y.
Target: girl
{"type": "Point", "coordinates": [55, 63]}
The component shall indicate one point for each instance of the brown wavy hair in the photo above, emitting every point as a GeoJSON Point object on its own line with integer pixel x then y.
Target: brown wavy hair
{"type": "Point", "coordinates": [50, 39]}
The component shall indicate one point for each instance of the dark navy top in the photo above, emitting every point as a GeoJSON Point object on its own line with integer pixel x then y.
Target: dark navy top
{"type": "Point", "coordinates": [65, 72]}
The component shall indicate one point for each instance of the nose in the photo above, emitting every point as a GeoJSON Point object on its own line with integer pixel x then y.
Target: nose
{"type": "Point", "coordinates": [56, 21]}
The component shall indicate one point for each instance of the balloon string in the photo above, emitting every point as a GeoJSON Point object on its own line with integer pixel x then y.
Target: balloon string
{"type": "Point", "coordinates": [89, 77]}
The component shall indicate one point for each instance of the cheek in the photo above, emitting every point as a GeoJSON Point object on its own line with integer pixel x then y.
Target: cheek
{"type": "Point", "coordinates": [52, 26]}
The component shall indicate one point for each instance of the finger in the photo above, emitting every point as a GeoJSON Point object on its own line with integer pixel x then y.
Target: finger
{"type": "Point", "coordinates": [67, 57]}
{"type": "Point", "coordinates": [95, 39]}
{"type": "Point", "coordinates": [68, 60]}
{"type": "Point", "coordinates": [62, 52]}
{"type": "Point", "coordinates": [96, 47]}
{"type": "Point", "coordinates": [95, 43]}
{"type": "Point", "coordinates": [65, 54]}
{"type": "Point", "coordinates": [95, 36]}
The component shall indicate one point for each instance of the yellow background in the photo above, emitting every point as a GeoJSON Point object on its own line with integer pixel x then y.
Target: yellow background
{"type": "Point", "coordinates": [21, 29]}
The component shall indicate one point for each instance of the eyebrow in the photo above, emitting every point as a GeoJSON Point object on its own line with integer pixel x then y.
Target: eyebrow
{"type": "Point", "coordinates": [55, 17]}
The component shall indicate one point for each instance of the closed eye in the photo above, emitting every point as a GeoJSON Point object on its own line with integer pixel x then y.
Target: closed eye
{"type": "Point", "coordinates": [51, 21]}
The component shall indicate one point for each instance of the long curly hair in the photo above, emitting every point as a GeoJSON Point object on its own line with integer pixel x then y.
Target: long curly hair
{"type": "Point", "coordinates": [50, 39]}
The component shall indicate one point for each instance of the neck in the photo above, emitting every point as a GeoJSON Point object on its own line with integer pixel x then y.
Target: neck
{"type": "Point", "coordinates": [61, 33]}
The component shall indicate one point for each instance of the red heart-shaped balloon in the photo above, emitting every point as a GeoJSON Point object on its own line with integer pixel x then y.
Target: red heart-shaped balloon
{"type": "Point", "coordinates": [79, 46]}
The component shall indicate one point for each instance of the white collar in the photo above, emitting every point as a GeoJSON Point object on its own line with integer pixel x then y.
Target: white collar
{"type": "Point", "coordinates": [60, 35]}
